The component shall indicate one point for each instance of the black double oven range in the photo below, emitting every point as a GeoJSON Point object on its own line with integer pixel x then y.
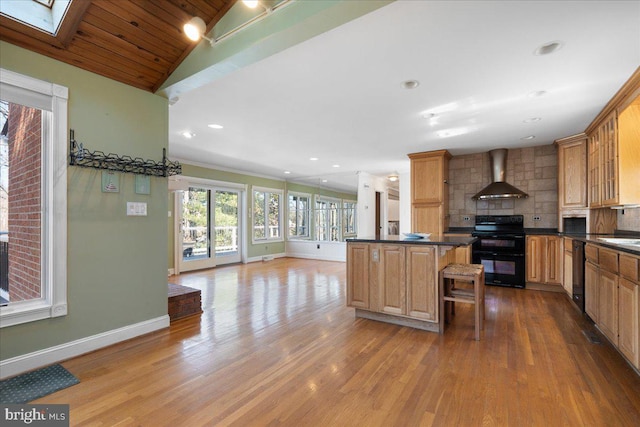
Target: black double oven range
{"type": "Point", "coordinates": [500, 249]}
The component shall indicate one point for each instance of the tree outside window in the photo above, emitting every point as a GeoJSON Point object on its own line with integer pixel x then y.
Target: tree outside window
{"type": "Point", "coordinates": [266, 214]}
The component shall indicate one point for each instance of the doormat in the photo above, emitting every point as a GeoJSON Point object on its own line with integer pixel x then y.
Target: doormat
{"type": "Point", "coordinates": [35, 384]}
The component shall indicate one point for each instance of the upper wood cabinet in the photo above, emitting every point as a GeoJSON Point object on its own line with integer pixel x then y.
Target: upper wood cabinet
{"type": "Point", "coordinates": [429, 191]}
{"type": "Point", "coordinates": [614, 149]}
{"type": "Point", "coordinates": [572, 172]}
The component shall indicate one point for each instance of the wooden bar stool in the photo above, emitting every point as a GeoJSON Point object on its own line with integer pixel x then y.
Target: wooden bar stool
{"type": "Point", "coordinates": [452, 290]}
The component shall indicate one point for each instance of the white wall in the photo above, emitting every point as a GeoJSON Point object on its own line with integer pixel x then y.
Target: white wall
{"type": "Point", "coordinates": [368, 185]}
{"type": "Point", "coordinates": [326, 251]}
{"type": "Point", "coordinates": [405, 202]}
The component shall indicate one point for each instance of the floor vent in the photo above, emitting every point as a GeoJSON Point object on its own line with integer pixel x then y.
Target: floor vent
{"type": "Point", "coordinates": [592, 337]}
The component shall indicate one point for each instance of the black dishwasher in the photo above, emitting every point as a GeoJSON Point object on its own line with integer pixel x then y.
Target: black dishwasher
{"type": "Point", "coordinates": [578, 274]}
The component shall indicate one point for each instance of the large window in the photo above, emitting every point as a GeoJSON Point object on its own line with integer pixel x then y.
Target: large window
{"type": "Point", "coordinates": [267, 214]}
{"type": "Point", "coordinates": [349, 223]}
{"type": "Point", "coordinates": [299, 213]}
{"type": "Point", "coordinates": [328, 213]}
{"type": "Point", "coordinates": [33, 202]}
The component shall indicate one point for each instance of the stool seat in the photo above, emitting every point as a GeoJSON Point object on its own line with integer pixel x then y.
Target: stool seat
{"type": "Point", "coordinates": [451, 292]}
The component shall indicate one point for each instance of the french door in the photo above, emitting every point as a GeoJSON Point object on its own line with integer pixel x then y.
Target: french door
{"type": "Point", "coordinates": [209, 228]}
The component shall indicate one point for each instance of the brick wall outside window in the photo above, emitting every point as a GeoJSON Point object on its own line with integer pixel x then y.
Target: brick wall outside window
{"type": "Point", "coordinates": [25, 222]}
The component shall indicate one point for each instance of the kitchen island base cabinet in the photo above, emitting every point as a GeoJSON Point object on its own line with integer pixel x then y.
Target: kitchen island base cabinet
{"type": "Point", "coordinates": [397, 283]}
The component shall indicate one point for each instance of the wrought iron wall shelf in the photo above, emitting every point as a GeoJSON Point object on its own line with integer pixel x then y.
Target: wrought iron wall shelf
{"type": "Point", "coordinates": [80, 156]}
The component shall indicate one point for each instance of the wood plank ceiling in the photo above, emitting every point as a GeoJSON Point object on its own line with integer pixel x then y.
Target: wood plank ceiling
{"type": "Point", "coordinates": [136, 42]}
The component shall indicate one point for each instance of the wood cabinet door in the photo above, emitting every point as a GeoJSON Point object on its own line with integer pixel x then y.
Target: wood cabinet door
{"type": "Point", "coordinates": [609, 161]}
{"type": "Point", "coordinates": [591, 272]}
{"type": "Point", "coordinates": [358, 275]}
{"type": "Point", "coordinates": [422, 283]}
{"type": "Point", "coordinates": [594, 169]}
{"type": "Point", "coordinates": [572, 175]}
{"type": "Point", "coordinates": [553, 261]}
{"type": "Point", "coordinates": [391, 280]}
{"type": "Point", "coordinates": [567, 281]}
{"type": "Point", "coordinates": [629, 320]}
{"type": "Point", "coordinates": [535, 254]}
{"type": "Point", "coordinates": [427, 219]}
{"type": "Point", "coordinates": [608, 305]}
{"type": "Point", "coordinates": [427, 182]}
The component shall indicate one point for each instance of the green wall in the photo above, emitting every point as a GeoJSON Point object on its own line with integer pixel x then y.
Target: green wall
{"type": "Point", "coordinates": [253, 250]}
{"type": "Point", "coordinates": [116, 265]}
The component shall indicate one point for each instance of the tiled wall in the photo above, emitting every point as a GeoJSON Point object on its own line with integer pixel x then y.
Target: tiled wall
{"type": "Point", "coordinates": [533, 170]}
{"type": "Point", "coordinates": [630, 220]}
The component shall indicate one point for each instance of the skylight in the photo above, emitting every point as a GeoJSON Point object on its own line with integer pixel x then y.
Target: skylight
{"type": "Point", "coordinates": [45, 15]}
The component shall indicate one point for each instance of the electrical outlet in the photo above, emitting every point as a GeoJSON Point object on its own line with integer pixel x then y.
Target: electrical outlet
{"type": "Point", "coordinates": [466, 218]}
{"type": "Point", "coordinates": [536, 218]}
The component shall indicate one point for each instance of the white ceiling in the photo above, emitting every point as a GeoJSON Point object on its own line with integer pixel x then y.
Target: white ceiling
{"type": "Point", "coordinates": [339, 96]}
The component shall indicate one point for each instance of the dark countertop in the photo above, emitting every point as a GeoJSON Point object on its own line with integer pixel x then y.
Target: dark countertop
{"type": "Point", "coordinates": [595, 239]}
{"type": "Point", "coordinates": [433, 240]}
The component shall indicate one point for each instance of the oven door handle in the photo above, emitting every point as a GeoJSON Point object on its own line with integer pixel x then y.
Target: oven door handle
{"type": "Point", "coordinates": [498, 236]}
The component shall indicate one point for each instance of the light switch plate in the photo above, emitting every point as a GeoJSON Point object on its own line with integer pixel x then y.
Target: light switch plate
{"type": "Point", "coordinates": [136, 209]}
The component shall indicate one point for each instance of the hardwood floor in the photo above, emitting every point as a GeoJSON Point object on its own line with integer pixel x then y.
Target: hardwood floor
{"type": "Point", "coordinates": [276, 345]}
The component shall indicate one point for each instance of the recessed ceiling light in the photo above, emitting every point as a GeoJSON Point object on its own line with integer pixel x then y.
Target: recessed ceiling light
{"type": "Point", "coordinates": [313, 159]}
{"type": "Point", "coordinates": [336, 166]}
{"type": "Point", "coordinates": [548, 48]}
{"type": "Point", "coordinates": [532, 119]}
{"type": "Point", "coordinates": [410, 84]}
{"type": "Point", "coordinates": [188, 134]}
{"type": "Point", "coordinates": [324, 180]}
{"type": "Point", "coordinates": [287, 172]}
{"type": "Point", "coordinates": [215, 126]}
{"type": "Point", "coordinates": [537, 93]}
{"type": "Point", "coordinates": [528, 137]}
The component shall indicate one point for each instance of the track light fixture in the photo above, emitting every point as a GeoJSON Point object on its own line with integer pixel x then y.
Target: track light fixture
{"type": "Point", "coordinates": [195, 28]}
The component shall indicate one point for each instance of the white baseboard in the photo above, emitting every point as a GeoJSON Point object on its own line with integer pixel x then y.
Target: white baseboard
{"type": "Point", "coordinates": [261, 257]}
{"type": "Point", "coordinates": [40, 358]}
{"type": "Point", "coordinates": [171, 272]}
{"type": "Point", "coordinates": [318, 257]}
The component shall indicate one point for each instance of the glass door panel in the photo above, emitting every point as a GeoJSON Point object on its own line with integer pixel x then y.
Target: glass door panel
{"type": "Point", "coordinates": [227, 226]}
{"type": "Point", "coordinates": [195, 232]}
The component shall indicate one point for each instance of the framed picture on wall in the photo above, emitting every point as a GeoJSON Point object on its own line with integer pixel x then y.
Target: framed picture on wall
{"type": "Point", "coordinates": [110, 182]}
{"type": "Point", "coordinates": [143, 184]}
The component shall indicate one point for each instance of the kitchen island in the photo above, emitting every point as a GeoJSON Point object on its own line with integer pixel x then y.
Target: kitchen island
{"type": "Point", "coordinates": [394, 279]}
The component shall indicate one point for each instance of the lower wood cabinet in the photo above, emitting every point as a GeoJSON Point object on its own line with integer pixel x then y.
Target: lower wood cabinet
{"type": "Point", "coordinates": [591, 273]}
{"type": "Point", "coordinates": [544, 259]}
{"type": "Point", "coordinates": [422, 289]}
{"type": "Point", "coordinates": [567, 280]}
{"type": "Point", "coordinates": [396, 279]}
{"type": "Point", "coordinates": [391, 279]}
{"type": "Point", "coordinates": [358, 275]}
{"type": "Point", "coordinates": [612, 298]}
{"type": "Point", "coordinates": [608, 304]}
{"type": "Point", "coordinates": [629, 320]}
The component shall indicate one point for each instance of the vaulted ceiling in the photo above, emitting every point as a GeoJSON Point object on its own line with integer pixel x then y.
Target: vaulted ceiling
{"type": "Point", "coordinates": [136, 42]}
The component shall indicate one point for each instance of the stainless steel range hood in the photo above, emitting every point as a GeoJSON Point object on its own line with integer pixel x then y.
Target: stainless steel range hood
{"type": "Point", "coordinates": [499, 189]}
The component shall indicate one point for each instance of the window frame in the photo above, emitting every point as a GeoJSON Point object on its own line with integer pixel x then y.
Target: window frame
{"type": "Point", "coordinates": [53, 298]}
{"type": "Point", "coordinates": [309, 210]}
{"type": "Point", "coordinates": [267, 192]}
{"type": "Point", "coordinates": [318, 227]}
{"type": "Point", "coordinates": [346, 233]}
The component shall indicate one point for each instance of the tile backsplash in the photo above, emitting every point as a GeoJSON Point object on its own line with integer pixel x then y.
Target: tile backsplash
{"type": "Point", "coordinates": [629, 220]}
{"type": "Point", "coordinates": [533, 170]}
